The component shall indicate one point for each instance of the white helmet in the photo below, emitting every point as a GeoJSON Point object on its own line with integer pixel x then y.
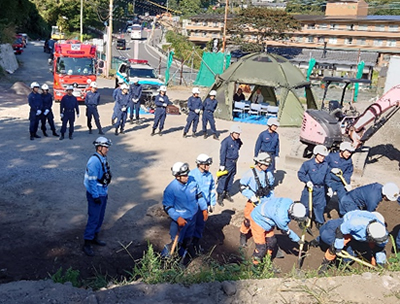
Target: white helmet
{"type": "Point", "coordinates": [263, 158]}
{"type": "Point", "coordinates": [163, 88]}
{"type": "Point", "coordinates": [320, 149]}
{"type": "Point", "coordinates": [204, 159]}
{"type": "Point", "coordinates": [70, 87]}
{"type": "Point", "coordinates": [180, 168]}
{"type": "Point", "coordinates": [124, 87]}
{"type": "Point", "coordinates": [236, 129]}
{"type": "Point", "coordinates": [213, 93]}
{"type": "Point", "coordinates": [346, 146]}
{"type": "Point", "coordinates": [135, 80]}
{"type": "Point", "coordinates": [391, 191]}
{"type": "Point", "coordinates": [102, 141]}
{"type": "Point", "coordinates": [120, 81]}
{"type": "Point", "coordinates": [297, 211]}
{"type": "Point", "coordinates": [195, 91]}
{"type": "Point", "coordinates": [93, 84]}
{"type": "Point", "coordinates": [376, 232]}
{"type": "Point", "coordinates": [45, 87]}
{"type": "Point", "coordinates": [273, 121]}
{"type": "Point", "coordinates": [35, 85]}
{"type": "Point", "coordinates": [379, 216]}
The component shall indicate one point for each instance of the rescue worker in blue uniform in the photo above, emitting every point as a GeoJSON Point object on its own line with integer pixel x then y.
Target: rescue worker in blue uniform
{"type": "Point", "coordinates": [355, 226]}
{"type": "Point", "coordinates": [209, 106]}
{"type": "Point", "coordinates": [194, 105]}
{"type": "Point", "coordinates": [121, 108]}
{"type": "Point", "coordinates": [368, 197]}
{"type": "Point", "coordinates": [182, 200]}
{"type": "Point", "coordinates": [47, 114]}
{"type": "Point", "coordinates": [268, 141]}
{"type": "Point", "coordinates": [36, 104]}
{"type": "Point", "coordinates": [228, 157]}
{"type": "Point", "coordinates": [92, 100]}
{"type": "Point", "coordinates": [271, 213]}
{"type": "Point", "coordinates": [68, 106]}
{"type": "Point", "coordinates": [114, 95]}
{"type": "Point", "coordinates": [256, 184]}
{"type": "Point", "coordinates": [341, 161]}
{"type": "Point", "coordinates": [206, 183]}
{"type": "Point", "coordinates": [136, 94]}
{"type": "Point", "coordinates": [161, 101]}
{"type": "Point", "coordinates": [97, 178]}
{"type": "Point", "coordinates": [314, 173]}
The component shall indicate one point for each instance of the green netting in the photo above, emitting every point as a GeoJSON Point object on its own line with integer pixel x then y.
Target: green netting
{"type": "Point", "coordinates": [211, 65]}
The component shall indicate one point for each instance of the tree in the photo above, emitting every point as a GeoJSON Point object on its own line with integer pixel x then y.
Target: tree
{"type": "Point", "coordinates": [306, 7]}
{"type": "Point", "coordinates": [254, 26]}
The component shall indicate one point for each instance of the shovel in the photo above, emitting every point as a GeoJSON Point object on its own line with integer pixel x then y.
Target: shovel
{"type": "Point", "coordinates": [339, 173]}
{"type": "Point", "coordinates": [345, 255]}
{"type": "Point", "coordinates": [306, 228]}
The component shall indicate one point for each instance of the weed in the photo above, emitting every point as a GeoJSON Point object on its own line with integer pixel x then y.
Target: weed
{"type": "Point", "coordinates": [69, 276]}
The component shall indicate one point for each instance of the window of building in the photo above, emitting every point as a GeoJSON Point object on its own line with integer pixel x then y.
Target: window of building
{"type": "Point", "coordinates": [391, 43]}
{"type": "Point", "coordinates": [311, 26]}
{"type": "Point", "coordinates": [386, 57]}
{"type": "Point", "coordinates": [323, 26]}
{"type": "Point", "coordinates": [362, 41]}
{"type": "Point", "coordinates": [348, 41]}
{"type": "Point", "coordinates": [299, 39]}
{"type": "Point", "coordinates": [310, 39]}
{"type": "Point", "coordinates": [321, 39]}
{"type": "Point", "coordinates": [393, 28]}
{"type": "Point", "coordinates": [333, 26]}
{"type": "Point", "coordinates": [378, 42]}
{"type": "Point", "coordinates": [332, 40]}
{"type": "Point", "coordinates": [363, 27]}
{"type": "Point", "coordinates": [204, 34]}
{"type": "Point", "coordinates": [350, 27]}
{"type": "Point", "coordinates": [380, 28]}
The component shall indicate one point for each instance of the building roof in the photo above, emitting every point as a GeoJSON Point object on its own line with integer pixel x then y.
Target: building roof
{"type": "Point", "coordinates": [330, 56]}
{"type": "Point", "coordinates": [369, 18]}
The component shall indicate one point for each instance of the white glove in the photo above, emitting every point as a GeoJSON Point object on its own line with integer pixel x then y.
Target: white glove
{"type": "Point", "coordinates": [348, 188]}
{"type": "Point", "coordinates": [135, 100]}
{"type": "Point", "coordinates": [62, 115]}
{"type": "Point", "coordinates": [38, 112]}
{"type": "Point", "coordinates": [77, 115]}
{"type": "Point", "coordinates": [254, 199]}
{"type": "Point", "coordinates": [276, 160]}
{"type": "Point", "coordinates": [197, 111]}
{"type": "Point", "coordinates": [310, 184]}
{"type": "Point", "coordinates": [164, 105]}
{"type": "Point", "coordinates": [123, 109]}
{"type": "Point", "coordinates": [221, 168]}
{"type": "Point", "coordinates": [46, 112]}
{"type": "Point", "coordinates": [330, 192]}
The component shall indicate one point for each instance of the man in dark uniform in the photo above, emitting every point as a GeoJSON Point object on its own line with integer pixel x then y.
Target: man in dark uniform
{"type": "Point", "coordinates": [209, 106]}
{"type": "Point", "coordinates": [136, 94]}
{"type": "Point", "coordinates": [195, 106]}
{"type": "Point", "coordinates": [268, 141]}
{"type": "Point", "coordinates": [92, 100]}
{"type": "Point", "coordinates": [114, 95]}
{"type": "Point", "coordinates": [35, 104]}
{"type": "Point", "coordinates": [68, 106]}
{"type": "Point", "coordinates": [229, 154]}
{"type": "Point", "coordinates": [47, 111]}
{"type": "Point", "coordinates": [121, 108]}
{"type": "Point", "coordinates": [161, 102]}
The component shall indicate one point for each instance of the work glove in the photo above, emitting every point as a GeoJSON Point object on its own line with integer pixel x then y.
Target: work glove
{"type": "Point", "coordinates": [221, 168]}
{"type": "Point", "coordinates": [348, 187]}
{"type": "Point", "coordinates": [330, 192]}
{"type": "Point", "coordinates": [254, 199]}
{"type": "Point", "coordinates": [276, 160]}
{"type": "Point", "coordinates": [181, 221]}
{"type": "Point", "coordinates": [135, 100]}
{"type": "Point", "coordinates": [197, 111]}
{"type": "Point", "coordinates": [38, 112]}
{"type": "Point", "coordinates": [46, 112]}
{"type": "Point", "coordinates": [62, 115]}
{"type": "Point", "coordinates": [164, 105]}
{"type": "Point", "coordinates": [310, 185]}
{"type": "Point", "coordinates": [97, 200]}
{"type": "Point", "coordinates": [205, 215]}
{"type": "Point", "coordinates": [77, 115]}
{"type": "Point", "coordinates": [123, 109]}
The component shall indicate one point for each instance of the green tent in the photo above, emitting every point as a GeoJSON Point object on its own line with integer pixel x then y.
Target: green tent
{"type": "Point", "coordinates": [280, 83]}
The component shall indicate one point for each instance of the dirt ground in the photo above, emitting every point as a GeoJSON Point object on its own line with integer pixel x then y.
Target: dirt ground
{"type": "Point", "coordinates": [43, 206]}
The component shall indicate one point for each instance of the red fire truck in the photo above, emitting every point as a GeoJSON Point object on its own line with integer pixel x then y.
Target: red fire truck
{"type": "Point", "coordinates": [73, 64]}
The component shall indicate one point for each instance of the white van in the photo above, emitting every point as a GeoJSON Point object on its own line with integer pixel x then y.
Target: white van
{"type": "Point", "coordinates": [136, 32]}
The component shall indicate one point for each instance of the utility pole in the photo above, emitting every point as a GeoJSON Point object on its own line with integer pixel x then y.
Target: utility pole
{"type": "Point", "coordinates": [109, 42]}
{"type": "Point", "coordinates": [224, 34]}
{"type": "Point", "coordinates": [81, 21]}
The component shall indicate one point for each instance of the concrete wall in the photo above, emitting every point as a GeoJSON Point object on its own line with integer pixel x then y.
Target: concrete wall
{"type": "Point", "coordinates": [7, 58]}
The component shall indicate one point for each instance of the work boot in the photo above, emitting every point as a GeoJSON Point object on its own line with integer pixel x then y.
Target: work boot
{"type": "Point", "coordinates": [70, 136]}
{"type": "Point", "coordinates": [36, 136]}
{"type": "Point", "coordinates": [220, 199]}
{"type": "Point", "coordinates": [194, 135]}
{"type": "Point", "coordinates": [153, 132]}
{"type": "Point", "coordinates": [198, 250]}
{"type": "Point", "coordinates": [101, 132]}
{"type": "Point", "coordinates": [184, 135]}
{"type": "Point", "coordinates": [116, 132]}
{"type": "Point", "coordinates": [160, 132]}
{"type": "Point", "coordinates": [61, 136]}
{"type": "Point", "coordinates": [45, 134]}
{"type": "Point", "coordinates": [122, 131]}
{"type": "Point", "coordinates": [243, 239]}
{"type": "Point", "coordinates": [87, 248]}
{"type": "Point", "coordinates": [131, 121]}
{"type": "Point", "coordinates": [32, 137]}
{"type": "Point", "coordinates": [228, 197]}
{"type": "Point", "coordinates": [280, 254]}
{"type": "Point", "coordinates": [314, 242]}
{"type": "Point", "coordinates": [138, 122]}
{"type": "Point", "coordinates": [324, 267]}
{"type": "Point", "coordinates": [215, 137]}
{"type": "Point", "coordinates": [97, 241]}
{"type": "Point", "coordinates": [90, 131]}
{"type": "Point", "coordinates": [205, 135]}
{"type": "Point", "coordinates": [55, 133]}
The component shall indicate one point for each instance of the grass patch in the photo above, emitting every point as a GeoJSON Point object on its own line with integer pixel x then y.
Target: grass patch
{"type": "Point", "coordinates": [68, 276]}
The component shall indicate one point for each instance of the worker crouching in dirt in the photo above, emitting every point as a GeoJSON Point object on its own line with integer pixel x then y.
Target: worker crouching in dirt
{"type": "Point", "coordinates": [271, 213]}
{"type": "Point", "coordinates": [315, 174]}
{"type": "Point", "coordinates": [182, 200]}
{"type": "Point", "coordinates": [355, 227]}
{"type": "Point", "coordinates": [256, 184]}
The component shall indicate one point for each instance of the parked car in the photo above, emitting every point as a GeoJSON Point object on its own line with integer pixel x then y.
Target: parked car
{"type": "Point", "coordinates": [18, 46]}
{"type": "Point", "coordinates": [121, 44]}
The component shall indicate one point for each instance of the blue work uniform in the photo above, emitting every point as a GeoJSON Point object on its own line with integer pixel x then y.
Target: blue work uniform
{"type": "Point", "coordinates": [183, 200]}
{"type": "Point", "coordinates": [161, 111]}
{"type": "Point", "coordinates": [68, 106]}
{"type": "Point", "coordinates": [47, 100]}
{"type": "Point", "coordinates": [92, 100]}
{"type": "Point", "coordinates": [209, 107]}
{"type": "Point", "coordinates": [134, 104]}
{"type": "Point", "coordinates": [228, 157]}
{"type": "Point", "coordinates": [95, 168]}
{"type": "Point", "coordinates": [122, 102]}
{"type": "Point", "coordinates": [354, 224]}
{"type": "Point", "coordinates": [362, 198]}
{"type": "Point", "coordinates": [206, 183]}
{"type": "Point", "coordinates": [114, 95]}
{"type": "Point", "coordinates": [194, 104]}
{"type": "Point", "coordinates": [318, 174]}
{"type": "Point", "coordinates": [249, 185]}
{"type": "Point", "coordinates": [346, 165]}
{"type": "Point", "coordinates": [35, 103]}
{"type": "Point", "coordinates": [268, 142]}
